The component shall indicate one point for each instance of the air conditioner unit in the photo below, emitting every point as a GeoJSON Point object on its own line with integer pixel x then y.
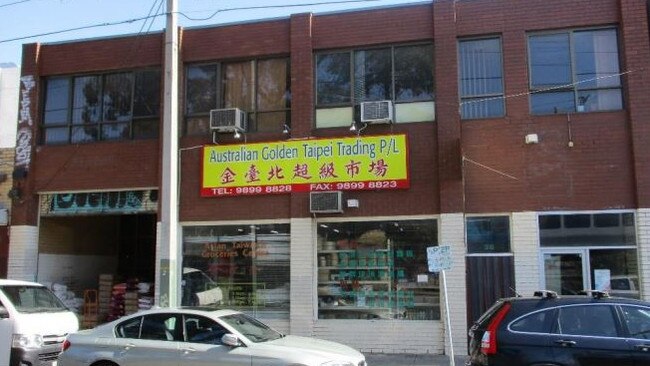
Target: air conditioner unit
{"type": "Point", "coordinates": [228, 120]}
{"type": "Point", "coordinates": [326, 202]}
{"type": "Point", "coordinates": [377, 112]}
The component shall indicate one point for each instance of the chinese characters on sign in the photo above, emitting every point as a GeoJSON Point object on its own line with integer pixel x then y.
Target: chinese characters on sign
{"type": "Point", "coordinates": [351, 163]}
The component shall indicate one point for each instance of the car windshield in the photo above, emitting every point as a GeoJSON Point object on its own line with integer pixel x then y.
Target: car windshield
{"type": "Point", "coordinates": [251, 328]}
{"type": "Point", "coordinates": [32, 299]}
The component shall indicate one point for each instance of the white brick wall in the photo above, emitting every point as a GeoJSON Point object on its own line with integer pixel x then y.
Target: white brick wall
{"type": "Point", "coordinates": [23, 252]}
{"type": "Point", "coordinates": [452, 232]}
{"type": "Point", "coordinates": [643, 243]}
{"type": "Point", "coordinates": [525, 246]}
{"type": "Point", "coordinates": [303, 283]}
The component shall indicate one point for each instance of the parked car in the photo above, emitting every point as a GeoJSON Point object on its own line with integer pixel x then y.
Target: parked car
{"type": "Point", "coordinates": [547, 329]}
{"type": "Point", "coordinates": [624, 286]}
{"type": "Point", "coordinates": [33, 324]}
{"type": "Point", "coordinates": [199, 336]}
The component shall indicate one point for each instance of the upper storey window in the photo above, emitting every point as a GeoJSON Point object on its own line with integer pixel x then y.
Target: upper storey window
{"type": "Point", "coordinates": [401, 74]}
{"type": "Point", "coordinates": [88, 108]}
{"type": "Point", "coordinates": [481, 78]}
{"type": "Point", "coordinates": [261, 88]}
{"type": "Point", "coordinates": [574, 71]}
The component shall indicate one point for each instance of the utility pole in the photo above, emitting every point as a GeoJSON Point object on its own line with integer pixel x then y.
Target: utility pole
{"type": "Point", "coordinates": [167, 253]}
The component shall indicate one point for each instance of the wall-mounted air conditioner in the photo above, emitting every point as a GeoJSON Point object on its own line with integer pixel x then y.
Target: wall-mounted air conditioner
{"type": "Point", "coordinates": [377, 112]}
{"type": "Point", "coordinates": [326, 202]}
{"type": "Point", "coordinates": [228, 120]}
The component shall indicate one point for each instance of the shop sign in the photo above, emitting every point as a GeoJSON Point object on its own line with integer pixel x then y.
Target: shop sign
{"type": "Point", "coordinates": [123, 202]}
{"type": "Point", "coordinates": [350, 163]}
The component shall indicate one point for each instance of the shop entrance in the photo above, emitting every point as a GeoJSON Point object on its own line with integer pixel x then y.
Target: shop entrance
{"type": "Point", "coordinates": [78, 254]}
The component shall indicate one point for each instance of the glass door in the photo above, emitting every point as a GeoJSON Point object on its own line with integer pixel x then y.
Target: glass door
{"type": "Point", "coordinates": [566, 272]}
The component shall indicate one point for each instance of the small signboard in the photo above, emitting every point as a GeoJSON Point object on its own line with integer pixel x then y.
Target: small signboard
{"type": "Point", "coordinates": [439, 258]}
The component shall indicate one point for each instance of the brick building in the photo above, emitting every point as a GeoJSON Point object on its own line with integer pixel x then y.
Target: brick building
{"type": "Point", "coordinates": [517, 139]}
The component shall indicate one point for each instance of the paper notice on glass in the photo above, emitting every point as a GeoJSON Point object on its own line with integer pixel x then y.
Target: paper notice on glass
{"type": "Point", "coordinates": [423, 278]}
{"type": "Point", "coordinates": [602, 279]}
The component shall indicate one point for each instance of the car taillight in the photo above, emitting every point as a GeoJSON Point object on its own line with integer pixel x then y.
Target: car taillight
{"type": "Point", "coordinates": [66, 345]}
{"type": "Point", "coordinates": [489, 339]}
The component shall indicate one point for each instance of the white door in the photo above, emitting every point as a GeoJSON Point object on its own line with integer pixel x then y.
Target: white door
{"type": "Point", "coordinates": [6, 331]}
{"type": "Point", "coordinates": [566, 271]}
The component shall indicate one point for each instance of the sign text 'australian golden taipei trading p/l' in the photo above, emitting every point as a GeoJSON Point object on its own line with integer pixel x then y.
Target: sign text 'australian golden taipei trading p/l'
{"type": "Point", "coordinates": [348, 163]}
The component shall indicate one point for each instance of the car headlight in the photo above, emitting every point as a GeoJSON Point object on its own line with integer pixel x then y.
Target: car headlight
{"type": "Point", "coordinates": [338, 363]}
{"type": "Point", "coordinates": [27, 341]}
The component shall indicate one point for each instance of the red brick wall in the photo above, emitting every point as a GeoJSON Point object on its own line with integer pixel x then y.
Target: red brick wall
{"type": "Point", "coordinates": [606, 168]}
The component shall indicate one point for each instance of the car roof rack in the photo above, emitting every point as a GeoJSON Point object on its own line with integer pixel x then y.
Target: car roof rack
{"type": "Point", "coordinates": [547, 294]}
{"type": "Point", "coordinates": [596, 294]}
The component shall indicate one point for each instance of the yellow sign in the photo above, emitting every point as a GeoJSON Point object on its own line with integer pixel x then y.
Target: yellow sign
{"type": "Point", "coordinates": [349, 163]}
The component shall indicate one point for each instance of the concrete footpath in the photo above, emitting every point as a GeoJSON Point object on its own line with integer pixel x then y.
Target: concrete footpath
{"type": "Point", "coordinates": [378, 359]}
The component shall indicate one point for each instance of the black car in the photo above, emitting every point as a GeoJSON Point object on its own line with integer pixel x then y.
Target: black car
{"type": "Point", "coordinates": [551, 330]}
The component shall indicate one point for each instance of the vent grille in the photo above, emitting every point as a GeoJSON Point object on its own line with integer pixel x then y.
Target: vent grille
{"type": "Point", "coordinates": [377, 112]}
{"type": "Point", "coordinates": [326, 202]}
{"type": "Point", "coordinates": [227, 120]}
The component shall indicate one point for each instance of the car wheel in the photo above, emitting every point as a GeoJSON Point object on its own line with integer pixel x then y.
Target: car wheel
{"type": "Point", "coordinates": [104, 363]}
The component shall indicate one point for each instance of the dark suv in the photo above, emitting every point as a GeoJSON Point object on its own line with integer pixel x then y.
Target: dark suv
{"type": "Point", "coordinates": [552, 330]}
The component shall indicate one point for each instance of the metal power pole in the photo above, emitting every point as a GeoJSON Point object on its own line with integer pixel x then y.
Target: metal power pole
{"type": "Point", "coordinates": [167, 253]}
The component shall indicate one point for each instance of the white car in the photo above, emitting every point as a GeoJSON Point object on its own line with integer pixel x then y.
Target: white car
{"type": "Point", "coordinates": [199, 336]}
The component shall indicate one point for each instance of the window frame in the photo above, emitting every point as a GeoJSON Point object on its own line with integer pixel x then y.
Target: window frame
{"type": "Point", "coordinates": [69, 123]}
{"type": "Point", "coordinates": [574, 83]}
{"type": "Point", "coordinates": [351, 54]}
{"type": "Point", "coordinates": [482, 97]}
{"type": "Point", "coordinates": [218, 67]}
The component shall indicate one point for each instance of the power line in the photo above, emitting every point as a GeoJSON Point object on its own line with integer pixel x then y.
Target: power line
{"type": "Point", "coordinates": [274, 7]}
{"type": "Point", "coordinates": [14, 3]}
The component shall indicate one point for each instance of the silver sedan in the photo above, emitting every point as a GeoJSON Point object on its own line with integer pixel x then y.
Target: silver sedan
{"type": "Point", "coordinates": [199, 336]}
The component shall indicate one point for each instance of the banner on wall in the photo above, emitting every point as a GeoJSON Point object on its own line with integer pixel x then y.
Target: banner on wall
{"type": "Point", "coordinates": [349, 163]}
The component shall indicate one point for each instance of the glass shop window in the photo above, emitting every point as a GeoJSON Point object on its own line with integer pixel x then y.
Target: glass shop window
{"type": "Point", "coordinates": [377, 270]}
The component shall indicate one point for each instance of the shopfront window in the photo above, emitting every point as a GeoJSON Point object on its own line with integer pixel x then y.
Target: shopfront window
{"type": "Point", "coordinates": [377, 270]}
{"type": "Point", "coordinates": [488, 234]}
{"type": "Point", "coordinates": [590, 251]}
{"type": "Point", "coordinates": [242, 267]}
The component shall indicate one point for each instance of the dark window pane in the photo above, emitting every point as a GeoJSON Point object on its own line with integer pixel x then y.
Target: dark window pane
{"type": "Point", "coordinates": [482, 107]}
{"type": "Point", "coordinates": [414, 73]}
{"type": "Point", "coordinates": [488, 234]}
{"type": "Point", "coordinates": [237, 86]}
{"type": "Point", "coordinates": [146, 98]}
{"type": "Point", "coordinates": [129, 329]}
{"type": "Point", "coordinates": [637, 319]}
{"type": "Point", "coordinates": [145, 128]}
{"type": "Point", "coordinates": [199, 329]}
{"type": "Point", "coordinates": [591, 320]}
{"type": "Point", "coordinates": [628, 219]}
{"type": "Point", "coordinates": [56, 135]}
{"type": "Point", "coordinates": [115, 131]}
{"type": "Point", "coordinates": [550, 60]}
{"type": "Point", "coordinates": [85, 134]}
{"type": "Point", "coordinates": [56, 101]}
{"type": "Point", "coordinates": [607, 220]}
{"type": "Point", "coordinates": [534, 323]}
{"type": "Point", "coordinates": [201, 95]}
{"type": "Point", "coordinates": [162, 327]}
{"type": "Point", "coordinates": [550, 222]}
{"type": "Point", "coordinates": [117, 97]}
{"type": "Point", "coordinates": [552, 102]}
{"type": "Point", "coordinates": [86, 100]}
{"type": "Point", "coordinates": [333, 78]}
{"type": "Point", "coordinates": [577, 221]}
{"type": "Point", "coordinates": [372, 75]}
{"type": "Point", "coordinates": [621, 264]}
{"type": "Point", "coordinates": [596, 57]}
{"type": "Point", "coordinates": [481, 71]}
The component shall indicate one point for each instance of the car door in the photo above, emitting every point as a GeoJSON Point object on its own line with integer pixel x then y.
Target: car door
{"type": "Point", "coordinates": [589, 335]}
{"type": "Point", "coordinates": [202, 344]}
{"type": "Point", "coordinates": [637, 323]}
{"type": "Point", "coordinates": [6, 332]}
{"type": "Point", "coordinates": [157, 342]}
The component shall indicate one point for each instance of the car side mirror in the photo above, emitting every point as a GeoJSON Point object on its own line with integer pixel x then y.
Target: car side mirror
{"type": "Point", "coordinates": [4, 313]}
{"type": "Point", "coordinates": [231, 340]}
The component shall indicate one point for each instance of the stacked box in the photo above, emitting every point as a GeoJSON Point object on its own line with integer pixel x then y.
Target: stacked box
{"type": "Point", "coordinates": [104, 295]}
{"type": "Point", "coordinates": [131, 302]}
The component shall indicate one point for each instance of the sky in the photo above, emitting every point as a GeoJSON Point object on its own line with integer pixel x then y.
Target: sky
{"type": "Point", "coordinates": [23, 18]}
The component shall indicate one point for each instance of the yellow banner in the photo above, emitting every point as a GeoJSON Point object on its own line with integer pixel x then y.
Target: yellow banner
{"type": "Point", "coordinates": [349, 163]}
